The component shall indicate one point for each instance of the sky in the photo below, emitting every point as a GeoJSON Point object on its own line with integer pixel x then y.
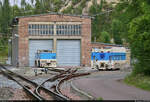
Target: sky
{"type": "Point", "coordinates": [12, 2]}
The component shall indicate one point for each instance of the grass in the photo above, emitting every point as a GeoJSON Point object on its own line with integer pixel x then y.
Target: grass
{"type": "Point", "coordinates": [3, 55]}
{"type": "Point", "coordinates": [100, 98]}
{"type": "Point", "coordinates": [139, 81]}
{"type": "Point", "coordinates": [3, 59]}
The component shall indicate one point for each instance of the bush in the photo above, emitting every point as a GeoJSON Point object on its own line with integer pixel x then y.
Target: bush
{"type": "Point", "coordinates": [138, 80]}
{"type": "Point", "coordinates": [74, 2]}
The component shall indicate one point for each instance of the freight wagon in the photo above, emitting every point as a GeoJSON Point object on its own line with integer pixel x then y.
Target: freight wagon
{"type": "Point", "coordinates": [108, 57]}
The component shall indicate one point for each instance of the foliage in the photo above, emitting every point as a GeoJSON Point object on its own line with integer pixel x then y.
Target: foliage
{"type": "Point", "coordinates": [78, 10]}
{"type": "Point", "coordinates": [101, 22]}
{"type": "Point", "coordinates": [74, 2]}
{"type": "Point", "coordinates": [131, 21]}
{"type": "Point", "coordinates": [5, 17]}
{"type": "Point", "coordinates": [3, 48]}
{"type": "Point", "coordinates": [139, 35]}
{"type": "Point", "coordinates": [140, 29]}
{"type": "Point", "coordinates": [100, 98]}
{"type": "Point", "coordinates": [94, 9]}
{"type": "Point", "coordinates": [104, 37]}
{"type": "Point", "coordinates": [116, 31]}
{"type": "Point", "coordinates": [38, 7]}
{"type": "Point", "coordinates": [68, 10]}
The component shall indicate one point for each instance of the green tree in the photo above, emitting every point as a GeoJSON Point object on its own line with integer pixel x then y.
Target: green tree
{"type": "Point", "coordinates": [102, 19]}
{"type": "Point", "coordinates": [32, 1]}
{"type": "Point", "coordinates": [23, 4]}
{"type": "Point", "coordinates": [68, 10]}
{"type": "Point", "coordinates": [96, 22]}
{"type": "Point", "coordinates": [16, 11]}
{"type": "Point", "coordinates": [123, 13]}
{"type": "Point", "coordinates": [139, 36]}
{"type": "Point", "coordinates": [104, 37]}
{"type": "Point", "coordinates": [57, 5]}
{"type": "Point", "coordinates": [5, 17]}
{"type": "Point", "coordinates": [38, 7]}
{"type": "Point", "coordinates": [116, 31]}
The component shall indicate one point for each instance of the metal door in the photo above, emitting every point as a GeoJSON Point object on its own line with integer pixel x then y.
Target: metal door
{"type": "Point", "coordinates": [35, 45]}
{"type": "Point", "coordinates": [68, 52]}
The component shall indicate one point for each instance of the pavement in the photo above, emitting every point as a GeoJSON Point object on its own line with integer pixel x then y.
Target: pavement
{"type": "Point", "coordinates": [109, 86]}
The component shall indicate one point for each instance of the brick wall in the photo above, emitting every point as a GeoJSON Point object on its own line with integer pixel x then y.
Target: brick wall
{"type": "Point", "coordinates": [86, 42]}
{"type": "Point", "coordinates": [23, 47]}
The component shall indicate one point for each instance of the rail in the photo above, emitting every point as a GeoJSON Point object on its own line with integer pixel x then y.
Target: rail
{"type": "Point", "coordinates": [25, 85]}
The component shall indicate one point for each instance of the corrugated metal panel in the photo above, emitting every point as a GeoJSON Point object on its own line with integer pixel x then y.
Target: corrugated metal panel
{"type": "Point", "coordinates": [35, 45]}
{"type": "Point", "coordinates": [68, 52]}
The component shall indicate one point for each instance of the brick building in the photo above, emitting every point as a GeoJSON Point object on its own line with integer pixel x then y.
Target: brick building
{"type": "Point", "coordinates": [67, 35]}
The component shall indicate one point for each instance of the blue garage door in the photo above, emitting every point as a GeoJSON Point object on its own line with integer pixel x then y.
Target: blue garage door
{"type": "Point", "coordinates": [68, 52]}
{"type": "Point", "coordinates": [35, 45]}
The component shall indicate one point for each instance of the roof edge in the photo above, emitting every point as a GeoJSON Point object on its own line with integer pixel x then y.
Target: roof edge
{"type": "Point", "coordinates": [54, 13]}
{"type": "Point", "coordinates": [107, 44]}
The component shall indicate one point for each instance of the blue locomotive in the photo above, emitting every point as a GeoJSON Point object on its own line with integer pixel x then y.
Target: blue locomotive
{"type": "Point", "coordinates": [45, 58]}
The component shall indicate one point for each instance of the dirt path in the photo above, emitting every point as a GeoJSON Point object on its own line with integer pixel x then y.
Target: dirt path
{"type": "Point", "coordinates": [109, 88]}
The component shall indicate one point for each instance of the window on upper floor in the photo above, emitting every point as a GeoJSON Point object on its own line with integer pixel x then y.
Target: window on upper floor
{"type": "Point", "coordinates": [41, 29]}
{"type": "Point", "coordinates": [68, 29]}
{"type": "Point", "coordinates": [50, 29]}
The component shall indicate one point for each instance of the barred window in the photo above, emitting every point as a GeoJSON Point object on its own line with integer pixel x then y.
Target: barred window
{"type": "Point", "coordinates": [67, 29]}
{"type": "Point", "coordinates": [41, 29]}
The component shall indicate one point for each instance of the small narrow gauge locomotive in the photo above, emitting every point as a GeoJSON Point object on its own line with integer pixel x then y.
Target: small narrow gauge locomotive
{"type": "Point", "coordinates": [108, 57]}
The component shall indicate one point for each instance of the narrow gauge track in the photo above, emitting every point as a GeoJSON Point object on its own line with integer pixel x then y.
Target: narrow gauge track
{"type": "Point", "coordinates": [56, 77]}
{"type": "Point", "coordinates": [30, 86]}
{"type": "Point", "coordinates": [60, 78]}
{"type": "Point", "coordinates": [73, 75]}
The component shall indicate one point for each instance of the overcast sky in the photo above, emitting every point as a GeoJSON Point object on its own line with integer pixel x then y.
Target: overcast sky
{"type": "Point", "coordinates": [16, 2]}
{"type": "Point", "coordinates": [12, 2]}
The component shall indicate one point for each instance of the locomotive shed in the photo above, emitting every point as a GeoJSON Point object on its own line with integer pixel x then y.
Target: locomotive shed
{"type": "Point", "coordinates": [69, 36]}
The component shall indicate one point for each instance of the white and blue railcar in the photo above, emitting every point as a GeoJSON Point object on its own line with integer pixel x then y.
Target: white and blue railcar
{"type": "Point", "coordinates": [108, 57]}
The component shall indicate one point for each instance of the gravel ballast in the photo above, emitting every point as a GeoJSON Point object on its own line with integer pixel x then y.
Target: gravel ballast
{"type": "Point", "coordinates": [5, 82]}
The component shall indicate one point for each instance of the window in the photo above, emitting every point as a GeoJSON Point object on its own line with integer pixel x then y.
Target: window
{"type": "Point", "coordinates": [48, 29]}
{"type": "Point", "coordinates": [68, 29]}
{"type": "Point", "coordinates": [41, 29]}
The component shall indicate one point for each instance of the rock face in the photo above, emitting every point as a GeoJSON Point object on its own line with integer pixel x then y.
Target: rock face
{"type": "Point", "coordinates": [88, 4]}
{"type": "Point", "coordinates": [67, 4]}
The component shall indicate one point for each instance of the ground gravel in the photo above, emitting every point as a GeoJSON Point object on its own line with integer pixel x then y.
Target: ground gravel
{"type": "Point", "coordinates": [20, 94]}
{"type": "Point", "coordinates": [50, 84]}
{"type": "Point", "coordinates": [5, 82]}
{"type": "Point", "coordinates": [6, 93]}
